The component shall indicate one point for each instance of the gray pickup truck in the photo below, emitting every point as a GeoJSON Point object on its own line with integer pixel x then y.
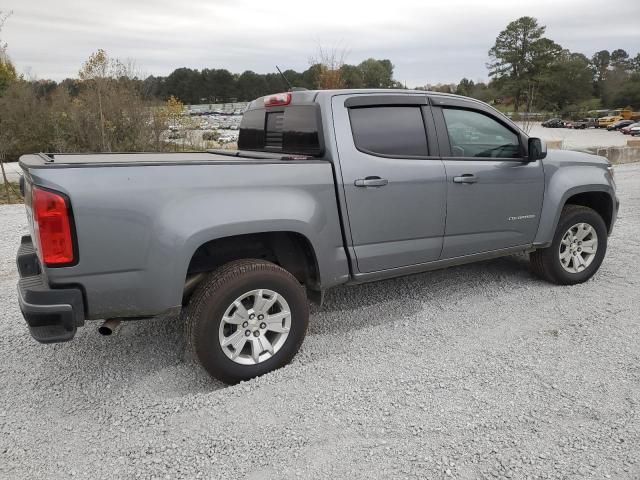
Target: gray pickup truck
{"type": "Point", "coordinates": [326, 188]}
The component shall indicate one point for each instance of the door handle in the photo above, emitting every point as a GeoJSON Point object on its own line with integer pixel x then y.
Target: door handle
{"type": "Point", "coordinates": [466, 178]}
{"type": "Point", "coordinates": [371, 182]}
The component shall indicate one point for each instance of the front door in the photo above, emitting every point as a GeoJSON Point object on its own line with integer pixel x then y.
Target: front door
{"type": "Point", "coordinates": [394, 184]}
{"type": "Point", "coordinates": [494, 195]}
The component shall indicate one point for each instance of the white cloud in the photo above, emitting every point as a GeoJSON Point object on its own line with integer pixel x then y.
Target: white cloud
{"type": "Point", "coordinates": [427, 41]}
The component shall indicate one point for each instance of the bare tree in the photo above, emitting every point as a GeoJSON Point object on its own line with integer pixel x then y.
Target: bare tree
{"type": "Point", "coordinates": [329, 63]}
{"type": "Point", "coordinates": [527, 119]}
{"type": "Point", "coordinates": [111, 108]}
{"type": "Point", "coordinates": [98, 72]}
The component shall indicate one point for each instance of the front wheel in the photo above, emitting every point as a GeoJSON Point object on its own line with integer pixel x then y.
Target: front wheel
{"type": "Point", "coordinates": [578, 248]}
{"type": "Point", "coordinates": [247, 318]}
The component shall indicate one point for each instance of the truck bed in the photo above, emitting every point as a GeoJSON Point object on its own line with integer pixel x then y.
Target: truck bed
{"type": "Point", "coordinates": [148, 214]}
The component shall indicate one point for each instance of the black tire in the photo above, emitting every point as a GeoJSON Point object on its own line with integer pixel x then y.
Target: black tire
{"type": "Point", "coordinates": [545, 262]}
{"type": "Point", "coordinates": [217, 292]}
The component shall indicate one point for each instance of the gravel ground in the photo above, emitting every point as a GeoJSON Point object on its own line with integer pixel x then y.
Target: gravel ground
{"type": "Point", "coordinates": [479, 371]}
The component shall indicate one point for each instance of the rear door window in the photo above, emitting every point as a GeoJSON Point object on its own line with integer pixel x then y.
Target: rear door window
{"type": "Point", "coordinates": [389, 131]}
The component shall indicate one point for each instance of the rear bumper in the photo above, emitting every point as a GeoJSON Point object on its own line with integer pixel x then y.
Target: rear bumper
{"type": "Point", "coordinates": [52, 314]}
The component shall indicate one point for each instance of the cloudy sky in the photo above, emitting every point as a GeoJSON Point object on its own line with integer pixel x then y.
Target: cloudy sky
{"type": "Point", "coordinates": [428, 41]}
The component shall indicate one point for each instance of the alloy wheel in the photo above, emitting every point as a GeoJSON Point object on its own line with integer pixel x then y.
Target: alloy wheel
{"type": "Point", "coordinates": [578, 247]}
{"type": "Point", "coordinates": [255, 326]}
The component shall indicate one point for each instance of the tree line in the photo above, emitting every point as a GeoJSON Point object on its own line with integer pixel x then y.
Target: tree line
{"type": "Point", "coordinates": [194, 86]}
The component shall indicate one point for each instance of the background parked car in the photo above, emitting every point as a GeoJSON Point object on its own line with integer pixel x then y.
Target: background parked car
{"type": "Point", "coordinates": [635, 131]}
{"type": "Point", "coordinates": [627, 130]}
{"type": "Point", "coordinates": [620, 124]}
{"type": "Point", "coordinates": [583, 123]}
{"type": "Point", "coordinates": [553, 123]}
{"type": "Point", "coordinates": [604, 122]}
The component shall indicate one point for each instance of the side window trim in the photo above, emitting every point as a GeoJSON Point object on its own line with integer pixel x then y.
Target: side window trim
{"type": "Point", "coordinates": [378, 100]}
{"type": "Point", "coordinates": [432, 134]}
{"type": "Point", "coordinates": [444, 142]}
{"type": "Point", "coordinates": [383, 101]}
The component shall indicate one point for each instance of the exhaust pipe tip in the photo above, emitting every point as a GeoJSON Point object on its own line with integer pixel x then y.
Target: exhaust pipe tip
{"type": "Point", "coordinates": [105, 331]}
{"type": "Point", "coordinates": [109, 327]}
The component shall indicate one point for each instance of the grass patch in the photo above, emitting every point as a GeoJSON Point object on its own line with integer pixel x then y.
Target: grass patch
{"type": "Point", "coordinates": [10, 194]}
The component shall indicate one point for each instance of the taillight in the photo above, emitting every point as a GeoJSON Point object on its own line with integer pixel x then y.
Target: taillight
{"type": "Point", "coordinates": [278, 99]}
{"type": "Point", "coordinates": [52, 225]}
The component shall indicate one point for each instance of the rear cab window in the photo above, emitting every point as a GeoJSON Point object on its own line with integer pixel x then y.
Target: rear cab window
{"type": "Point", "coordinates": [293, 129]}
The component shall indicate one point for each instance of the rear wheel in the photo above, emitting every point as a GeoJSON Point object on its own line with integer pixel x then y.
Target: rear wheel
{"type": "Point", "coordinates": [247, 318]}
{"type": "Point", "coordinates": [578, 248]}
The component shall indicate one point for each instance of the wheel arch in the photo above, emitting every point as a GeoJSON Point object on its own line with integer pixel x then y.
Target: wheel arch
{"type": "Point", "coordinates": [291, 250]}
{"type": "Point", "coordinates": [600, 198]}
{"type": "Point", "coordinates": [599, 201]}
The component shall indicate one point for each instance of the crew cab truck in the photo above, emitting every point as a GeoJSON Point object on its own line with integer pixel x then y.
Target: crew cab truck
{"type": "Point", "coordinates": [326, 188]}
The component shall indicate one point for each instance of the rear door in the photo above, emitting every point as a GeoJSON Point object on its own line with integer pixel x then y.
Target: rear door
{"type": "Point", "coordinates": [494, 195]}
{"type": "Point", "coordinates": [394, 180]}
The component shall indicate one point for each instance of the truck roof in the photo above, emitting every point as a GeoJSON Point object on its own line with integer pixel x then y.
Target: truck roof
{"type": "Point", "coordinates": [306, 96]}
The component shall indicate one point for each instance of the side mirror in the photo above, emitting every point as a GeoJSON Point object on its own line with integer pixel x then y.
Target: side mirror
{"type": "Point", "coordinates": [537, 149]}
